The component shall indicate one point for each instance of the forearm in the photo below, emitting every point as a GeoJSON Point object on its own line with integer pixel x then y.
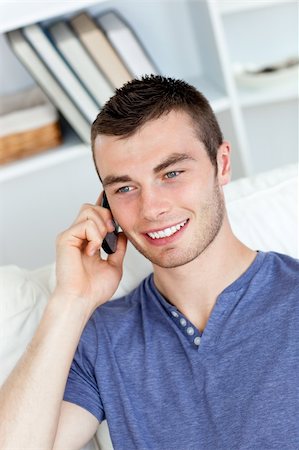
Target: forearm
{"type": "Point", "coordinates": [30, 399]}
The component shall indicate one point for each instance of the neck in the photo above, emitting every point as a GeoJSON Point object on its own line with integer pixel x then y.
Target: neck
{"type": "Point", "coordinates": [194, 287]}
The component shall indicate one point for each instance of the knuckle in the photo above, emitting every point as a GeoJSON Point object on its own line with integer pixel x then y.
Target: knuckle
{"type": "Point", "coordinates": [89, 212]}
{"type": "Point", "coordinates": [84, 207]}
{"type": "Point", "coordinates": [95, 226]}
{"type": "Point", "coordinates": [92, 214]}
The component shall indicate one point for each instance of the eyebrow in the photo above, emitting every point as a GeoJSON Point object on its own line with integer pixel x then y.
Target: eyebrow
{"type": "Point", "coordinates": [112, 179]}
{"type": "Point", "coordinates": [172, 159]}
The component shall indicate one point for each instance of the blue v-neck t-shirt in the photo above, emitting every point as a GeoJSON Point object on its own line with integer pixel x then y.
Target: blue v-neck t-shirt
{"type": "Point", "coordinates": [161, 384]}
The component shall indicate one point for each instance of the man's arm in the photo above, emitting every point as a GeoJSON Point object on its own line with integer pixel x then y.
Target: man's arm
{"type": "Point", "coordinates": [75, 428]}
{"type": "Point", "coordinates": [31, 398]}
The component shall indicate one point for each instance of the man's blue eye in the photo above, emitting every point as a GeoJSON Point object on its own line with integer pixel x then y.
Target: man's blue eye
{"type": "Point", "coordinates": [124, 189]}
{"type": "Point", "coordinates": [172, 174]}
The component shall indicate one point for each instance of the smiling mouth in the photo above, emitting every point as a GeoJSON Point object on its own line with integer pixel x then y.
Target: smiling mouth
{"type": "Point", "coordinates": [167, 231]}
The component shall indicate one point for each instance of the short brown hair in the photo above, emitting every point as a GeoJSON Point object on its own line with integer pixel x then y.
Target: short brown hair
{"type": "Point", "coordinates": [150, 97]}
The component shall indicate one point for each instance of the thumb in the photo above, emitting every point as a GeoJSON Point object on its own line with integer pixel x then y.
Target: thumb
{"type": "Point", "coordinates": [116, 259]}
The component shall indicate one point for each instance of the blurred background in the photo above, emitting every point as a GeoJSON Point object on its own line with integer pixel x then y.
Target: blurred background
{"type": "Point", "coordinates": [242, 55]}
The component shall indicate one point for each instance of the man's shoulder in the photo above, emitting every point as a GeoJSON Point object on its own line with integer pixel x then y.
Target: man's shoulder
{"type": "Point", "coordinates": [283, 264]}
{"type": "Point", "coordinates": [280, 273]}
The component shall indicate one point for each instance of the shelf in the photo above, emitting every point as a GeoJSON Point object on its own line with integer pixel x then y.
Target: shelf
{"type": "Point", "coordinates": [235, 6]}
{"type": "Point", "coordinates": [71, 149]}
{"type": "Point", "coordinates": [255, 97]}
{"type": "Point", "coordinates": [31, 12]}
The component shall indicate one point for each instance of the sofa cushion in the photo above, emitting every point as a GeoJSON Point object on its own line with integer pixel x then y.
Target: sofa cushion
{"type": "Point", "coordinates": [23, 296]}
{"type": "Point", "coordinates": [263, 210]}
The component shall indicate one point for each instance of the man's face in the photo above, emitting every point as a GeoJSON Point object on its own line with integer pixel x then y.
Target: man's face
{"type": "Point", "coordinates": [162, 189]}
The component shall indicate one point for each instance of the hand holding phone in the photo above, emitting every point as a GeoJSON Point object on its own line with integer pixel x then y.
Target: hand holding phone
{"type": "Point", "coordinates": [109, 244]}
{"type": "Point", "coordinates": [82, 272]}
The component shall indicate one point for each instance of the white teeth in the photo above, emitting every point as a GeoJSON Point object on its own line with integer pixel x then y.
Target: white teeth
{"type": "Point", "coordinates": [167, 232]}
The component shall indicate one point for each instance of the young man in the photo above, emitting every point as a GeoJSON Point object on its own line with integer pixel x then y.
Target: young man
{"type": "Point", "coordinates": [204, 353]}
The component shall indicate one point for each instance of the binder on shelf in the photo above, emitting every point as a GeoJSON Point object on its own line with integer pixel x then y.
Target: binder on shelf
{"type": "Point", "coordinates": [61, 71]}
{"type": "Point", "coordinates": [101, 50]}
{"type": "Point", "coordinates": [83, 65]}
{"type": "Point", "coordinates": [127, 44]}
{"type": "Point", "coordinates": [39, 71]}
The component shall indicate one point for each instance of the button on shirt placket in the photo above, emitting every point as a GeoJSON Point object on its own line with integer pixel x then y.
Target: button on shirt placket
{"type": "Point", "coordinates": [188, 329]}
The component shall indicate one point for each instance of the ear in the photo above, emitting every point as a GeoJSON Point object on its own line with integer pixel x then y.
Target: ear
{"type": "Point", "coordinates": [223, 163]}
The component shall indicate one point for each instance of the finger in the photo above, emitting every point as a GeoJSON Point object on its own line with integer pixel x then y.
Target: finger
{"type": "Point", "coordinates": [101, 216]}
{"type": "Point", "coordinates": [91, 248]}
{"type": "Point", "coordinates": [116, 259]}
{"type": "Point", "coordinates": [83, 235]}
{"type": "Point", "coordinates": [95, 237]}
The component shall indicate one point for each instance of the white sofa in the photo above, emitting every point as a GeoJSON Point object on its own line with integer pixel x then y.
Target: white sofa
{"type": "Point", "coordinates": [263, 211]}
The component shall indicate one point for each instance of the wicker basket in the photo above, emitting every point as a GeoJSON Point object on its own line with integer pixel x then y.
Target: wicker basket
{"type": "Point", "coordinates": [28, 125]}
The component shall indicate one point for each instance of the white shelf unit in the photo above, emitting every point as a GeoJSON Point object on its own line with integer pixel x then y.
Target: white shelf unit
{"type": "Point", "coordinates": [171, 57]}
{"type": "Point", "coordinates": [263, 33]}
{"type": "Point", "coordinates": [191, 40]}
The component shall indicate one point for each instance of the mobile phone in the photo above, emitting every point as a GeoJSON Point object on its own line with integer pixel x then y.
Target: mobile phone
{"type": "Point", "coordinates": [110, 242]}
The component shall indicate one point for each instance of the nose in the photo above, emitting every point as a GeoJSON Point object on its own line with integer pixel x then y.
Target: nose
{"type": "Point", "coordinates": [154, 204]}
